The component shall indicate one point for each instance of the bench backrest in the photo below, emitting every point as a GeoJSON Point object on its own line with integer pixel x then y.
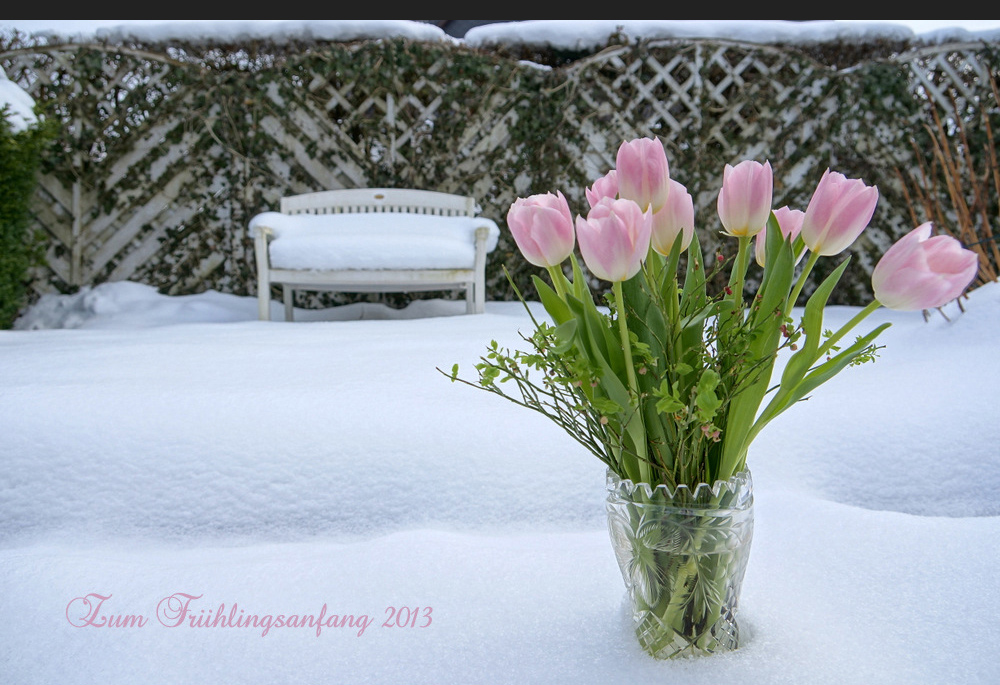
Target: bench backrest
{"type": "Point", "coordinates": [364, 200]}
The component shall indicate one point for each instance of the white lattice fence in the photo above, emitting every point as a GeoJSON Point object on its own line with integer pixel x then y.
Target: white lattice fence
{"type": "Point", "coordinates": [712, 104]}
{"type": "Point", "coordinates": [166, 157]}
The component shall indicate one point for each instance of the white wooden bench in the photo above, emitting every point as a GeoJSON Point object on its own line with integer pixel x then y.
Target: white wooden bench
{"type": "Point", "coordinates": [373, 240]}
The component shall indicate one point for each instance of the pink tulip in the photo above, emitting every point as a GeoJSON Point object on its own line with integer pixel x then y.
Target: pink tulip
{"type": "Point", "coordinates": [923, 272]}
{"type": "Point", "coordinates": [790, 223]}
{"type": "Point", "coordinates": [677, 216]}
{"type": "Point", "coordinates": [838, 212]}
{"type": "Point", "coordinates": [643, 173]}
{"type": "Point", "coordinates": [542, 226]}
{"type": "Point", "coordinates": [745, 198]}
{"type": "Point", "coordinates": [614, 239]}
{"type": "Point", "coordinates": [605, 186]}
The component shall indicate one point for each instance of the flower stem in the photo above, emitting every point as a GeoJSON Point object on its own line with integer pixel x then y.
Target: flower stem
{"type": "Point", "coordinates": [645, 475]}
{"type": "Point", "coordinates": [558, 281]}
{"type": "Point", "coordinates": [740, 271]}
{"type": "Point", "coordinates": [810, 263]}
{"type": "Point", "coordinates": [673, 308]}
{"type": "Point", "coordinates": [843, 330]}
{"type": "Point", "coordinates": [623, 333]}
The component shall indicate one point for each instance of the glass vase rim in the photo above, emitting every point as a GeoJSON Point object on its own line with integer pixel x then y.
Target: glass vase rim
{"type": "Point", "coordinates": [740, 481]}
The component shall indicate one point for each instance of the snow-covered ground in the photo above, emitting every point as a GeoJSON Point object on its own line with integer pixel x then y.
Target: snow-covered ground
{"type": "Point", "coordinates": [175, 454]}
{"type": "Point", "coordinates": [187, 474]}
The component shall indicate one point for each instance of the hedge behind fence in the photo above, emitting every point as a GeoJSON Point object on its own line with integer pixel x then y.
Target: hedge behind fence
{"type": "Point", "coordinates": [167, 150]}
{"type": "Point", "coordinates": [20, 155]}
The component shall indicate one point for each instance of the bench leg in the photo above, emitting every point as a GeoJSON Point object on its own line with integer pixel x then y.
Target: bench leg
{"type": "Point", "coordinates": [476, 297]}
{"type": "Point", "coordinates": [263, 278]}
{"type": "Point", "coordinates": [263, 302]}
{"type": "Point", "coordinates": [480, 298]}
{"type": "Point", "coordinates": [287, 294]}
{"type": "Point", "coordinates": [477, 288]}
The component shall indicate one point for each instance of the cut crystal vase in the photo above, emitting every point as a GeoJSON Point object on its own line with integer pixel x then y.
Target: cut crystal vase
{"type": "Point", "coordinates": [682, 554]}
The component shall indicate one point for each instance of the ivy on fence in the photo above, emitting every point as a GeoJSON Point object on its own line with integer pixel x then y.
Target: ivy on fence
{"type": "Point", "coordinates": [167, 150]}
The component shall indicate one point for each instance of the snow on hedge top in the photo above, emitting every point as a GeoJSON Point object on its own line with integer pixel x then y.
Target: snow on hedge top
{"type": "Point", "coordinates": [21, 106]}
{"type": "Point", "coordinates": [558, 34]}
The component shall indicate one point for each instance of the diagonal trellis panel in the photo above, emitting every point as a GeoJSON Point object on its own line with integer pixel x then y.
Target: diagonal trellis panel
{"type": "Point", "coordinates": [169, 150]}
{"type": "Point", "coordinates": [712, 104]}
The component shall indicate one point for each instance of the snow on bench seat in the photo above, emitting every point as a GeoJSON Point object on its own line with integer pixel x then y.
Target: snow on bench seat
{"type": "Point", "coordinates": [338, 243]}
{"type": "Point", "coordinates": [374, 241]}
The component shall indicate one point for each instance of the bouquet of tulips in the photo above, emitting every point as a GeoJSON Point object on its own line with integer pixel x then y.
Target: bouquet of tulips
{"type": "Point", "coordinates": [669, 383]}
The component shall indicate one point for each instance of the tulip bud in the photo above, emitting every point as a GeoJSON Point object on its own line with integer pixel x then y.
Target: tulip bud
{"type": "Point", "coordinates": [676, 216]}
{"type": "Point", "coordinates": [605, 186]}
{"type": "Point", "coordinates": [745, 198]}
{"type": "Point", "coordinates": [643, 173]}
{"type": "Point", "coordinates": [838, 212]}
{"type": "Point", "coordinates": [790, 223]}
{"type": "Point", "coordinates": [542, 226]}
{"type": "Point", "coordinates": [923, 272]}
{"type": "Point", "coordinates": [614, 239]}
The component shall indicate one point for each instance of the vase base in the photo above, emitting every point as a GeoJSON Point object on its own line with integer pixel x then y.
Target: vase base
{"type": "Point", "coordinates": [663, 642]}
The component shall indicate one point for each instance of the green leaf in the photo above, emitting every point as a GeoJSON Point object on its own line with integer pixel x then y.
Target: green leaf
{"type": "Point", "coordinates": [554, 305]}
{"type": "Point", "coordinates": [669, 404]}
{"type": "Point", "coordinates": [812, 324]}
{"type": "Point", "coordinates": [779, 274]}
{"type": "Point", "coordinates": [605, 406]}
{"type": "Point", "coordinates": [709, 381]}
{"type": "Point", "coordinates": [832, 367]}
{"type": "Point", "coordinates": [673, 260]}
{"type": "Point", "coordinates": [694, 294]}
{"type": "Point", "coordinates": [591, 342]}
{"type": "Point", "coordinates": [706, 400]}
{"type": "Point", "coordinates": [565, 334]}
{"type": "Point", "coordinates": [789, 394]}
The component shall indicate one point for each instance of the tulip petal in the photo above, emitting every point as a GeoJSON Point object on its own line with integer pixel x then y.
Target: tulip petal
{"type": "Point", "coordinates": [614, 239]}
{"type": "Point", "coordinates": [839, 210]}
{"type": "Point", "coordinates": [643, 172]}
{"type": "Point", "coordinates": [923, 272]}
{"type": "Point", "coordinates": [542, 227]}
{"type": "Point", "coordinates": [744, 203]}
